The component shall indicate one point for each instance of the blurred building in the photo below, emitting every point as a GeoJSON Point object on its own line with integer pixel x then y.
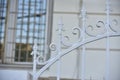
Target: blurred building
{"type": "Point", "coordinates": [23, 22]}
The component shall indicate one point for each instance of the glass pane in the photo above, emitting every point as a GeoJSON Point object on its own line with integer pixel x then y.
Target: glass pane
{"type": "Point", "coordinates": [31, 21]}
{"type": "Point", "coordinates": [3, 4]}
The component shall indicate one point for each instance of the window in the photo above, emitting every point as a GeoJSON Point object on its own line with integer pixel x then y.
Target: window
{"type": "Point", "coordinates": [31, 24]}
{"type": "Point", "coordinates": [27, 21]}
{"type": "Point", "coordinates": [3, 5]}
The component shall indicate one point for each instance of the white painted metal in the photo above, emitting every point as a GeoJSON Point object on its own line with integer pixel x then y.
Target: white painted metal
{"type": "Point", "coordinates": [35, 53]}
{"type": "Point", "coordinates": [83, 11]}
{"type": "Point", "coordinates": [107, 76]}
{"type": "Point", "coordinates": [37, 58]}
{"type": "Point", "coordinates": [74, 46]}
{"type": "Point", "coordinates": [60, 25]}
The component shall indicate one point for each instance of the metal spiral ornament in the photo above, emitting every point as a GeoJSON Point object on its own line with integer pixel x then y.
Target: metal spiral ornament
{"type": "Point", "coordinates": [66, 39]}
{"type": "Point", "coordinates": [96, 30]}
{"type": "Point", "coordinates": [40, 60]}
{"type": "Point", "coordinates": [114, 26]}
{"type": "Point", "coordinates": [53, 47]}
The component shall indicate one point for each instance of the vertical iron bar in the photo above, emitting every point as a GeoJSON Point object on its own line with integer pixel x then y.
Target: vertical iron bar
{"type": "Point", "coordinates": [78, 49]}
{"type": "Point", "coordinates": [83, 37]}
{"type": "Point", "coordinates": [108, 40]}
{"type": "Point", "coordinates": [60, 25]}
{"type": "Point", "coordinates": [34, 53]}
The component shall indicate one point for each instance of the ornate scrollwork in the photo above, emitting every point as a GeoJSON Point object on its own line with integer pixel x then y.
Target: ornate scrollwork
{"type": "Point", "coordinates": [40, 59]}
{"type": "Point", "coordinates": [66, 39]}
{"type": "Point", "coordinates": [53, 47]}
{"type": "Point", "coordinates": [100, 28]}
{"type": "Point", "coordinates": [97, 30]}
{"type": "Point", "coordinates": [114, 26]}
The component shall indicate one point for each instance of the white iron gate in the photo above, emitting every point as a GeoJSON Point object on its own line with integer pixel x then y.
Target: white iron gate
{"type": "Point", "coordinates": [39, 59]}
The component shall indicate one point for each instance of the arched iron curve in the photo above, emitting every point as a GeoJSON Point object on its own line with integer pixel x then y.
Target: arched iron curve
{"type": "Point", "coordinates": [55, 58]}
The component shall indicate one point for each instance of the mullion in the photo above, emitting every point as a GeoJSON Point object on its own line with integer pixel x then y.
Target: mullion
{"type": "Point", "coordinates": [34, 26]}
{"type": "Point", "coordinates": [40, 24]}
{"type": "Point", "coordinates": [27, 38]}
{"type": "Point", "coordinates": [20, 46]}
{"type": "Point", "coordinates": [22, 25]}
{"type": "Point", "coordinates": [2, 12]}
{"type": "Point", "coordinates": [42, 33]}
{"type": "Point", "coordinates": [44, 26]}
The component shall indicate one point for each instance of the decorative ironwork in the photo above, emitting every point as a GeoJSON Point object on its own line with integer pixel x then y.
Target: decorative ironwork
{"type": "Point", "coordinates": [115, 26]}
{"type": "Point", "coordinates": [76, 32]}
{"type": "Point", "coordinates": [97, 30]}
{"type": "Point", "coordinates": [103, 30]}
{"type": "Point", "coordinates": [53, 47]}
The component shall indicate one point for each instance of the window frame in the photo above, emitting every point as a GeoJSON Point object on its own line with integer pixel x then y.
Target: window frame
{"type": "Point", "coordinates": [8, 48]}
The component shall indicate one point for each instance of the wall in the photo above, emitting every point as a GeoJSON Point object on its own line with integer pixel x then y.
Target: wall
{"type": "Point", "coordinates": [13, 75]}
